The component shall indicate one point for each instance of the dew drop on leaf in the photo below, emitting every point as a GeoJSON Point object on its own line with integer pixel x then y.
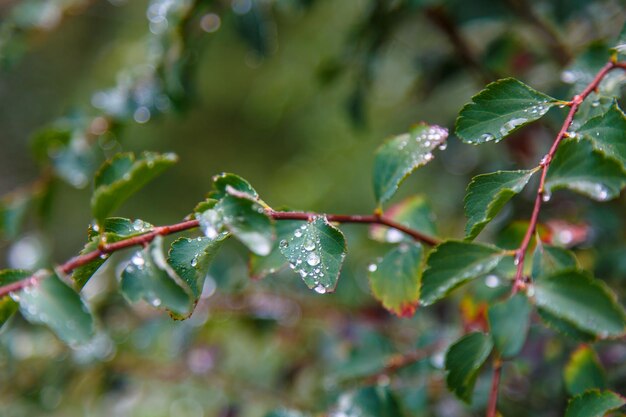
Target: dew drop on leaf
{"type": "Point", "coordinates": [313, 259]}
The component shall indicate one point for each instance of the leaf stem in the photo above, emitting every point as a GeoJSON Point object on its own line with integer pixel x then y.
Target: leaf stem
{"type": "Point", "coordinates": [495, 385]}
{"type": "Point", "coordinates": [575, 103]}
{"type": "Point", "coordinates": [107, 248]}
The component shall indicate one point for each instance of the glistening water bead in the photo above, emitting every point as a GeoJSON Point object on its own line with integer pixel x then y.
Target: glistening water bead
{"type": "Point", "coordinates": [313, 259]}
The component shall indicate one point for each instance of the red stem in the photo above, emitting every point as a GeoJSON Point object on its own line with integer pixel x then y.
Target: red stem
{"type": "Point", "coordinates": [146, 238]}
{"type": "Point", "coordinates": [495, 385]}
{"type": "Point", "coordinates": [520, 253]}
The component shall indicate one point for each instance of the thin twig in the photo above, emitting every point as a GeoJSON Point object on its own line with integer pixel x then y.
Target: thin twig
{"type": "Point", "coordinates": [495, 385]}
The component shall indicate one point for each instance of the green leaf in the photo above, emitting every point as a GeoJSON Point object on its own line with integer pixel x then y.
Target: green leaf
{"type": "Point", "coordinates": [565, 328]}
{"type": "Point", "coordinates": [372, 401]}
{"type": "Point", "coordinates": [53, 303]}
{"type": "Point", "coordinates": [113, 230]}
{"type": "Point", "coordinates": [586, 303]}
{"type": "Point", "coordinates": [509, 321]}
{"type": "Point", "coordinates": [191, 258]}
{"type": "Point", "coordinates": [395, 280]}
{"type": "Point", "coordinates": [607, 133]}
{"type": "Point", "coordinates": [224, 180]}
{"type": "Point", "coordinates": [548, 260]}
{"type": "Point", "coordinates": [413, 212]}
{"type": "Point", "coordinates": [8, 307]}
{"type": "Point", "coordinates": [620, 42]}
{"type": "Point", "coordinates": [12, 213]}
{"type": "Point", "coordinates": [594, 403]}
{"type": "Point", "coordinates": [500, 109]}
{"type": "Point", "coordinates": [122, 176]}
{"type": "Point", "coordinates": [247, 221]}
{"type": "Point", "coordinates": [261, 266]}
{"type": "Point", "coordinates": [487, 194]}
{"type": "Point", "coordinates": [463, 360]}
{"type": "Point", "coordinates": [583, 372]}
{"type": "Point", "coordinates": [579, 167]}
{"type": "Point", "coordinates": [399, 156]}
{"type": "Point", "coordinates": [453, 263]}
{"type": "Point", "coordinates": [150, 278]}
{"type": "Point", "coordinates": [316, 251]}
{"type": "Point", "coordinates": [285, 413]}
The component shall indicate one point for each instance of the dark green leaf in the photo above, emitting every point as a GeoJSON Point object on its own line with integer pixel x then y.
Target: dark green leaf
{"type": "Point", "coordinates": [584, 372]}
{"type": "Point", "coordinates": [316, 251]}
{"type": "Point", "coordinates": [401, 155]}
{"type": "Point", "coordinates": [53, 303]}
{"type": "Point", "coordinates": [191, 258]}
{"type": "Point", "coordinates": [247, 221]}
{"type": "Point", "coordinates": [548, 260]}
{"type": "Point", "coordinates": [413, 212]}
{"type": "Point", "coordinates": [373, 401]}
{"type": "Point", "coordinates": [224, 180]}
{"type": "Point", "coordinates": [12, 213]}
{"type": "Point", "coordinates": [607, 134]}
{"type": "Point", "coordinates": [122, 176]}
{"type": "Point", "coordinates": [508, 322]}
{"type": "Point", "coordinates": [395, 280]}
{"type": "Point", "coordinates": [594, 403]}
{"type": "Point", "coordinates": [463, 360]}
{"type": "Point", "coordinates": [487, 194]}
{"type": "Point", "coordinates": [584, 302]}
{"type": "Point", "coordinates": [261, 266]}
{"type": "Point", "coordinates": [578, 167]}
{"type": "Point", "coordinates": [500, 109]}
{"type": "Point", "coordinates": [453, 263]}
{"type": "Point", "coordinates": [150, 278]}
{"type": "Point", "coordinates": [564, 327]}
{"type": "Point", "coordinates": [8, 307]}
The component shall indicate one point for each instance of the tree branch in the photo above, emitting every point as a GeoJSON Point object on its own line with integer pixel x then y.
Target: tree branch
{"type": "Point", "coordinates": [495, 385]}
{"type": "Point", "coordinates": [108, 248]}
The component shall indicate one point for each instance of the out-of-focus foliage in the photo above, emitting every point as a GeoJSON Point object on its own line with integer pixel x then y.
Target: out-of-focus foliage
{"type": "Point", "coordinates": [297, 96]}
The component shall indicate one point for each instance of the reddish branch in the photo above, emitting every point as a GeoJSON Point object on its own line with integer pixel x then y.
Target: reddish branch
{"type": "Point", "coordinates": [493, 393]}
{"type": "Point", "coordinates": [107, 248]}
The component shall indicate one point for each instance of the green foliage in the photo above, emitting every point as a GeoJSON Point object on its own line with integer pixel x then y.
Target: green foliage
{"type": "Point", "coordinates": [548, 260]}
{"type": "Point", "coordinates": [583, 372]}
{"type": "Point", "coordinates": [499, 110]}
{"type": "Point", "coordinates": [8, 306]}
{"type": "Point", "coordinates": [607, 133]}
{"type": "Point", "coordinates": [375, 401]}
{"type": "Point", "coordinates": [463, 361]}
{"type": "Point", "coordinates": [594, 403]}
{"type": "Point", "coordinates": [508, 322]}
{"type": "Point", "coordinates": [413, 212]}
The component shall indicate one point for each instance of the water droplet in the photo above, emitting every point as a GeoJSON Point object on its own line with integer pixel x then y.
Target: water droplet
{"type": "Point", "coordinates": [303, 273]}
{"type": "Point", "coordinates": [530, 291]}
{"type": "Point", "coordinates": [372, 267]}
{"type": "Point", "coordinates": [194, 261]}
{"type": "Point", "coordinates": [138, 260]}
{"type": "Point", "coordinates": [394, 236]}
{"type": "Point", "coordinates": [309, 245]}
{"type": "Point", "coordinates": [313, 259]}
{"type": "Point", "coordinates": [572, 135]}
{"type": "Point", "coordinates": [155, 302]}
{"type": "Point", "coordinates": [595, 103]}
{"type": "Point", "coordinates": [428, 156]}
{"type": "Point", "coordinates": [292, 266]}
{"type": "Point", "coordinates": [104, 256]}
{"type": "Point", "coordinates": [486, 137]}
{"type": "Point", "coordinates": [138, 225]}
{"type": "Point", "coordinates": [492, 281]}
{"type": "Point", "coordinates": [443, 146]}
{"type": "Point", "coordinates": [297, 233]}
{"type": "Point", "coordinates": [568, 77]}
{"type": "Point", "coordinates": [283, 244]}
{"type": "Point", "coordinates": [320, 289]}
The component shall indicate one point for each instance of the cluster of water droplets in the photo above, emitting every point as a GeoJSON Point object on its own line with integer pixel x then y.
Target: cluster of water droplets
{"type": "Point", "coordinates": [211, 222]}
{"type": "Point", "coordinates": [427, 140]}
{"type": "Point", "coordinates": [510, 125]}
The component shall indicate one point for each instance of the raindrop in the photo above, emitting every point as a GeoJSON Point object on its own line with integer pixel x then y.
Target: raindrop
{"type": "Point", "coordinates": [313, 259]}
{"type": "Point", "coordinates": [297, 233]}
{"type": "Point", "coordinates": [443, 146]}
{"type": "Point", "coordinates": [138, 260]}
{"type": "Point", "coordinates": [492, 281]}
{"type": "Point", "coordinates": [155, 302]}
{"type": "Point", "coordinates": [142, 114]}
{"type": "Point", "coordinates": [309, 245]}
{"type": "Point", "coordinates": [283, 244]}
{"type": "Point", "coordinates": [487, 137]}
{"type": "Point", "coordinates": [138, 225]}
{"type": "Point", "coordinates": [372, 267]}
{"type": "Point", "coordinates": [194, 261]}
{"type": "Point", "coordinates": [546, 196]}
{"type": "Point", "coordinates": [595, 103]}
{"type": "Point", "coordinates": [320, 289]}
{"type": "Point", "coordinates": [210, 22]}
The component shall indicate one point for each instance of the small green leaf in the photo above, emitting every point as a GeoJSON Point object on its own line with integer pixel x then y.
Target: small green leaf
{"type": "Point", "coordinates": [413, 212]}
{"type": "Point", "coordinates": [594, 403]}
{"type": "Point", "coordinates": [399, 156]}
{"type": "Point", "coordinates": [395, 280]}
{"type": "Point", "coordinates": [372, 401]}
{"type": "Point", "coordinates": [508, 322]}
{"type": "Point", "coordinates": [500, 109]}
{"type": "Point", "coordinates": [463, 360]}
{"type": "Point", "coordinates": [583, 372]}
{"type": "Point", "coordinates": [607, 133]}
{"type": "Point", "coordinates": [584, 302]}
{"type": "Point", "coordinates": [548, 260]}
{"type": "Point", "coordinates": [8, 307]}
{"type": "Point", "coordinates": [53, 303]}
{"type": "Point", "coordinates": [247, 221]}
{"type": "Point", "coordinates": [487, 194]}
{"type": "Point", "coordinates": [191, 258]}
{"type": "Point", "coordinates": [12, 213]}
{"type": "Point", "coordinates": [261, 266]}
{"type": "Point", "coordinates": [148, 277]}
{"type": "Point", "coordinates": [122, 176]}
{"type": "Point", "coordinates": [224, 180]}
{"type": "Point", "coordinates": [453, 263]}
{"type": "Point", "coordinates": [316, 251]}
{"type": "Point", "coordinates": [579, 167]}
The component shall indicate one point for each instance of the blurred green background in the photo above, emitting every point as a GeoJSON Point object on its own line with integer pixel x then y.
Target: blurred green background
{"type": "Point", "coordinates": [298, 109]}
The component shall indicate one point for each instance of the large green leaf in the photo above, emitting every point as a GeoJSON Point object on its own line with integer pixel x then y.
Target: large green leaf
{"type": "Point", "coordinates": [8, 306]}
{"type": "Point", "coordinates": [509, 321]}
{"type": "Point", "coordinates": [607, 133]}
{"type": "Point", "coordinates": [150, 278]}
{"type": "Point", "coordinates": [413, 212]}
{"type": "Point", "coordinates": [113, 230]}
{"type": "Point", "coordinates": [453, 263]}
{"type": "Point", "coordinates": [487, 194]}
{"type": "Point", "coordinates": [463, 360]}
{"type": "Point", "coordinates": [584, 302]}
{"type": "Point", "coordinates": [564, 327]}
{"type": "Point", "coordinates": [395, 280]}
{"type": "Point", "coordinates": [372, 401]}
{"type": "Point", "coordinates": [401, 155]}
{"type": "Point", "coordinates": [501, 108]}
{"type": "Point", "coordinates": [583, 371]}
{"type": "Point", "coordinates": [261, 266]}
{"type": "Point", "coordinates": [53, 303]}
{"type": "Point", "coordinates": [191, 258]}
{"type": "Point", "coordinates": [594, 403]}
{"type": "Point", "coordinates": [548, 260]}
{"type": "Point", "coordinates": [122, 176]}
{"type": "Point", "coordinates": [316, 251]}
{"type": "Point", "coordinates": [246, 220]}
{"type": "Point", "coordinates": [579, 167]}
